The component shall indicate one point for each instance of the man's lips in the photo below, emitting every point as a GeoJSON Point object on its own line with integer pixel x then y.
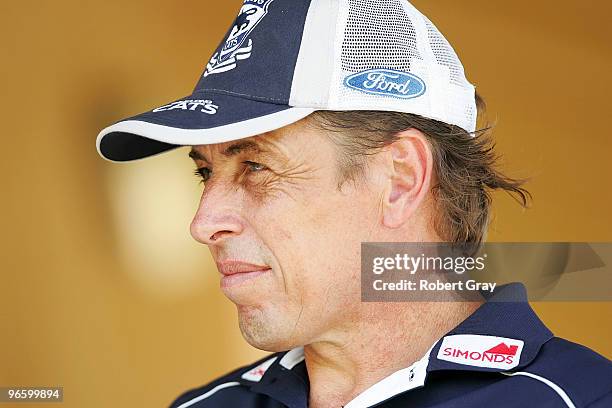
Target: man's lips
{"type": "Point", "coordinates": [235, 272]}
{"type": "Point", "coordinates": [232, 267]}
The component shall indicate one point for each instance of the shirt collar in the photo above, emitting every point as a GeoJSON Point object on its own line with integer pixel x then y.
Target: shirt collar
{"type": "Point", "coordinates": [506, 314]}
{"type": "Point", "coordinates": [284, 378]}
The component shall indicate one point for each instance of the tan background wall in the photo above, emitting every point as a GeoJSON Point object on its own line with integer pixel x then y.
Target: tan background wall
{"type": "Point", "coordinates": [102, 289]}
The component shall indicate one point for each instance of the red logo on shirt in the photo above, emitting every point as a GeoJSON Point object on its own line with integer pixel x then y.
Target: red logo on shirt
{"type": "Point", "coordinates": [503, 348]}
{"type": "Point", "coordinates": [481, 351]}
{"type": "Point", "coordinates": [502, 353]}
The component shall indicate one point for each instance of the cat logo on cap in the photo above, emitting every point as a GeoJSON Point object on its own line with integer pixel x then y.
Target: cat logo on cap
{"type": "Point", "coordinates": [251, 13]}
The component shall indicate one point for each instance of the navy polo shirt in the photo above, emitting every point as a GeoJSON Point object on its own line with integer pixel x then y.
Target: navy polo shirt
{"type": "Point", "coordinates": [502, 355]}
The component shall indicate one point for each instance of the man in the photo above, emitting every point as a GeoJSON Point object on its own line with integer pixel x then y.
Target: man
{"type": "Point", "coordinates": [316, 126]}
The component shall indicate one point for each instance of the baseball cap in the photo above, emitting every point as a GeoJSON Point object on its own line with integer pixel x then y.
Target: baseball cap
{"type": "Point", "coordinates": [281, 60]}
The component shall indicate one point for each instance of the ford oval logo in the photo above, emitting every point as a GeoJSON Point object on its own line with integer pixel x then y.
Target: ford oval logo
{"type": "Point", "coordinates": [387, 82]}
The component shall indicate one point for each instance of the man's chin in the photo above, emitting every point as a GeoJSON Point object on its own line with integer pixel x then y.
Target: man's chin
{"type": "Point", "coordinates": [263, 334]}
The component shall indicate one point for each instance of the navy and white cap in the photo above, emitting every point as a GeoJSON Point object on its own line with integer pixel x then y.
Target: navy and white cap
{"type": "Point", "coordinates": [281, 60]}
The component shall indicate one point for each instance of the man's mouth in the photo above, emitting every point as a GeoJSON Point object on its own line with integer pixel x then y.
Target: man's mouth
{"type": "Point", "coordinates": [235, 272]}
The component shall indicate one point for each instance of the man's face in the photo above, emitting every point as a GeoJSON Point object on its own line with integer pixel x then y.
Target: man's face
{"type": "Point", "coordinates": [284, 236]}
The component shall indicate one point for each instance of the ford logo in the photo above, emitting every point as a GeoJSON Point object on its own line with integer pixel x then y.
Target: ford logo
{"type": "Point", "coordinates": [387, 82]}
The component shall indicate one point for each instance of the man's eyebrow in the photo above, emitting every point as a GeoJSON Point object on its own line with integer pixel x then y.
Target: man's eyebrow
{"type": "Point", "coordinates": [231, 150]}
{"type": "Point", "coordinates": [240, 147]}
{"type": "Point", "coordinates": [195, 155]}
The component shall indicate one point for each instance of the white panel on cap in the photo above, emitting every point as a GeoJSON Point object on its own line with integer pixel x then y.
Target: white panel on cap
{"type": "Point", "coordinates": [392, 34]}
{"type": "Point", "coordinates": [315, 63]}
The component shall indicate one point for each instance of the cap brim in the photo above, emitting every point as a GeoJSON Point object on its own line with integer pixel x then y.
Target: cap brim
{"type": "Point", "coordinates": [155, 132]}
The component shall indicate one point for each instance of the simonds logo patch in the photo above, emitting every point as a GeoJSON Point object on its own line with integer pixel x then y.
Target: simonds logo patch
{"type": "Point", "coordinates": [481, 351]}
{"type": "Point", "coordinates": [387, 82]}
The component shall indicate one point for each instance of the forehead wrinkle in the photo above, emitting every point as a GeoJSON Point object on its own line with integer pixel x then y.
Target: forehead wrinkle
{"type": "Point", "coordinates": [234, 149]}
{"type": "Point", "coordinates": [274, 145]}
{"type": "Point", "coordinates": [264, 145]}
{"type": "Point", "coordinates": [271, 145]}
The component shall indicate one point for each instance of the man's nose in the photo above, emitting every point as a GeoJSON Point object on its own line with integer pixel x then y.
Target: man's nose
{"type": "Point", "coordinates": [217, 217]}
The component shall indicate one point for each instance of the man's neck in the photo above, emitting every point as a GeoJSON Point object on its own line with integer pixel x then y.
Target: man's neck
{"type": "Point", "coordinates": [381, 339]}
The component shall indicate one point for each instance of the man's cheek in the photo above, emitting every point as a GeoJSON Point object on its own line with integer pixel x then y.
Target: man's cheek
{"type": "Point", "coordinates": [281, 230]}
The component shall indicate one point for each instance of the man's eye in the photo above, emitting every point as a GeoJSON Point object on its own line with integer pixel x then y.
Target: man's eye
{"type": "Point", "coordinates": [203, 173]}
{"type": "Point", "coordinates": [253, 166]}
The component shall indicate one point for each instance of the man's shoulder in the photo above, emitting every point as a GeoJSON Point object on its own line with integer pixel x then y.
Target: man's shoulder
{"type": "Point", "coordinates": [583, 374]}
{"type": "Point", "coordinates": [237, 381]}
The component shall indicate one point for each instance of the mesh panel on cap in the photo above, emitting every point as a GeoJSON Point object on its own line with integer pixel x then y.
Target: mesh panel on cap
{"type": "Point", "coordinates": [379, 25]}
{"type": "Point", "coordinates": [392, 34]}
{"type": "Point", "coordinates": [445, 55]}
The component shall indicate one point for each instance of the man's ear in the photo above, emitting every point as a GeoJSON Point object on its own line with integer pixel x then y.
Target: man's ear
{"type": "Point", "coordinates": [409, 179]}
